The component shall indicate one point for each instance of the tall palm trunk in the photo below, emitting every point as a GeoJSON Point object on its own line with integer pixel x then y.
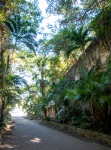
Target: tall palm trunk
{"type": "Point", "coordinates": [2, 111]}
{"type": "Point", "coordinates": [3, 42]}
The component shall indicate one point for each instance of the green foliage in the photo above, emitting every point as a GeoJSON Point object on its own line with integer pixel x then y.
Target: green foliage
{"type": "Point", "coordinates": [93, 88]}
{"type": "Point", "coordinates": [101, 23]}
{"type": "Point", "coordinates": [61, 6]}
{"type": "Point", "coordinates": [70, 41]}
{"type": "Point", "coordinates": [49, 84]}
{"type": "Point", "coordinates": [75, 12]}
{"type": "Point", "coordinates": [19, 21]}
{"type": "Point", "coordinates": [21, 31]}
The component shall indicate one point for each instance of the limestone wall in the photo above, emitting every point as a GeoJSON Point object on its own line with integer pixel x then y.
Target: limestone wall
{"type": "Point", "coordinates": [86, 133]}
{"type": "Point", "coordinates": [96, 52]}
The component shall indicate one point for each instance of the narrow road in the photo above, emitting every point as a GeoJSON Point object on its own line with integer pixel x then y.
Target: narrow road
{"type": "Point", "coordinates": [30, 135]}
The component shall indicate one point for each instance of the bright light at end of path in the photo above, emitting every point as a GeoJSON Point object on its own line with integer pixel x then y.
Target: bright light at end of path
{"type": "Point", "coordinates": [18, 112]}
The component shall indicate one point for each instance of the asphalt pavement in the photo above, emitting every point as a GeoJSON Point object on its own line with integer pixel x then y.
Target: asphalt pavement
{"type": "Point", "coordinates": [31, 135]}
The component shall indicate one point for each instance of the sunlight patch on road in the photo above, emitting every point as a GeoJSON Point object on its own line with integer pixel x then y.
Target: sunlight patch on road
{"type": "Point", "coordinates": [36, 140]}
{"type": "Point", "coordinates": [8, 146]}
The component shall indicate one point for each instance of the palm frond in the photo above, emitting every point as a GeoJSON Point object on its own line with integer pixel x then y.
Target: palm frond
{"type": "Point", "coordinates": [22, 31]}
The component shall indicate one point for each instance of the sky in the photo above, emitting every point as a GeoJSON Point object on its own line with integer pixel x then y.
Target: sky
{"type": "Point", "coordinates": [48, 19]}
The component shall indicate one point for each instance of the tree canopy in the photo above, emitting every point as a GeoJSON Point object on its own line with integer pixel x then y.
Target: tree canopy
{"type": "Point", "coordinates": [45, 60]}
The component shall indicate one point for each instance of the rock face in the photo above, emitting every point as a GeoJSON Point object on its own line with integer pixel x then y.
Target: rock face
{"type": "Point", "coordinates": [96, 53]}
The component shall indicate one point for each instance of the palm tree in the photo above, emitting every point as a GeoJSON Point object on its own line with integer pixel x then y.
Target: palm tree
{"type": "Point", "coordinates": [21, 32]}
{"type": "Point", "coordinates": [3, 59]}
{"type": "Point", "coordinates": [15, 32]}
{"type": "Point", "coordinates": [70, 41]}
{"type": "Point", "coordinates": [78, 40]}
{"type": "Point", "coordinates": [10, 92]}
{"type": "Point", "coordinates": [92, 88]}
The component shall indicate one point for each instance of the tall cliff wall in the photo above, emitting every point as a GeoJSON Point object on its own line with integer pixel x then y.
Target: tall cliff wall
{"type": "Point", "coordinates": [96, 52]}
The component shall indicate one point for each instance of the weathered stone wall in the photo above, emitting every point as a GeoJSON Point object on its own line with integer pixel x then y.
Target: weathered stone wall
{"type": "Point", "coordinates": [96, 52]}
{"type": "Point", "coordinates": [86, 133]}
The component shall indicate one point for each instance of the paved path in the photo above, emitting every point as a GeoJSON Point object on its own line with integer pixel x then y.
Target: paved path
{"type": "Point", "coordinates": [30, 135]}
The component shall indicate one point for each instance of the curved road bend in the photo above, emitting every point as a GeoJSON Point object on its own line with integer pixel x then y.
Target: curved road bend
{"type": "Point", "coordinates": [30, 135]}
